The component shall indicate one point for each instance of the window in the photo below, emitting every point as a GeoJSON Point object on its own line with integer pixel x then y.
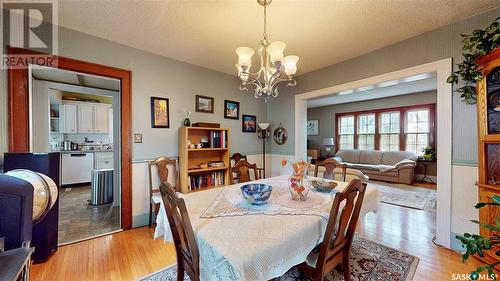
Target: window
{"type": "Point", "coordinates": [408, 128]}
{"type": "Point", "coordinates": [389, 131]}
{"type": "Point", "coordinates": [346, 132]}
{"type": "Point", "coordinates": [366, 131]}
{"type": "Point", "coordinates": [417, 130]}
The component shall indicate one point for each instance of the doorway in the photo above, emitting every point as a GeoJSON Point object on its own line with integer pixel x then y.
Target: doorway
{"type": "Point", "coordinates": [77, 115]}
{"type": "Point", "coordinates": [19, 116]}
{"type": "Point", "coordinates": [441, 69]}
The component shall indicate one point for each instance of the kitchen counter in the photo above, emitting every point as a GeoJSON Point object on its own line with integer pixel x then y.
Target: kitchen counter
{"type": "Point", "coordinates": [82, 151]}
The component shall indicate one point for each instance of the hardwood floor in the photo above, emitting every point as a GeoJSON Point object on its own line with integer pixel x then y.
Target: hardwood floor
{"type": "Point", "coordinates": [132, 254]}
{"type": "Point", "coordinates": [125, 255]}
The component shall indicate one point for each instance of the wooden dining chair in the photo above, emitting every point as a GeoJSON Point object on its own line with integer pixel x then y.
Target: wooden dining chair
{"type": "Point", "coordinates": [242, 169]}
{"type": "Point", "coordinates": [162, 165]}
{"type": "Point", "coordinates": [237, 157]}
{"type": "Point", "coordinates": [186, 248]}
{"type": "Point", "coordinates": [330, 165]}
{"type": "Point", "coordinates": [335, 249]}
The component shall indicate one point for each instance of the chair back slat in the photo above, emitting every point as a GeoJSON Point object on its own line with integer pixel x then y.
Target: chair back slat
{"type": "Point", "coordinates": [162, 165]}
{"type": "Point", "coordinates": [182, 231]}
{"type": "Point", "coordinates": [342, 222]}
{"type": "Point", "coordinates": [242, 169]}
{"type": "Point", "coordinates": [330, 165]}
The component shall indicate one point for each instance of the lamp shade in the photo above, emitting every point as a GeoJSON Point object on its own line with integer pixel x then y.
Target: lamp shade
{"type": "Point", "coordinates": [275, 51]}
{"type": "Point", "coordinates": [263, 126]}
{"type": "Point", "coordinates": [290, 63]}
{"type": "Point", "coordinates": [328, 141]}
{"type": "Point", "coordinates": [245, 56]}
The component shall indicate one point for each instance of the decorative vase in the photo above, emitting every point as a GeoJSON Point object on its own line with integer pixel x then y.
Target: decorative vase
{"type": "Point", "coordinates": [299, 185]}
{"type": "Point", "coordinates": [187, 122]}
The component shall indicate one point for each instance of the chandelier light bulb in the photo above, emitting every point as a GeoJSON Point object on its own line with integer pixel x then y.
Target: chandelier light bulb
{"type": "Point", "coordinates": [245, 56]}
{"type": "Point", "coordinates": [275, 51]}
{"type": "Point", "coordinates": [290, 63]}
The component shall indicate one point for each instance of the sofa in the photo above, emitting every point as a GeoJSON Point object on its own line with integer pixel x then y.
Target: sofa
{"type": "Point", "coordinates": [390, 166]}
{"type": "Point", "coordinates": [350, 173]}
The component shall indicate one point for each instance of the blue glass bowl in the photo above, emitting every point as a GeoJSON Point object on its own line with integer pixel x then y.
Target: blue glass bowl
{"type": "Point", "coordinates": [256, 193]}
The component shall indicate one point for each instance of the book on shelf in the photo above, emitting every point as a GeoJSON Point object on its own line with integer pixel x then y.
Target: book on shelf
{"type": "Point", "coordinates": [218, 139]}
{"type": "Point", "coordinates": [215, 164]}
{"type": "Point", "coordinates": [213, 179]}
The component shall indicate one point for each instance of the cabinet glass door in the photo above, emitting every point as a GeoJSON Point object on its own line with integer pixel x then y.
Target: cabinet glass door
{"type": "Point", "coordinates": [493, 101]}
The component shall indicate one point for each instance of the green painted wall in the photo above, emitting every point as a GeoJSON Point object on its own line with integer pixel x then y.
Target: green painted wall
{"type": "Point", "coordinates": [428, 47]}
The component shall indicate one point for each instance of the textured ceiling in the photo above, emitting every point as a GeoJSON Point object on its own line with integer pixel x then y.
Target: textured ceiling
{"type": "Point", "coordinates": [206, 33]}
{"type": "Point", "coordinates": [414, 84]}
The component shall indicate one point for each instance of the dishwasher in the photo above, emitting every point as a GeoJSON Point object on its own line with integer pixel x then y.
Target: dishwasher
{"type": "Point", "coordinates": [76, 167]}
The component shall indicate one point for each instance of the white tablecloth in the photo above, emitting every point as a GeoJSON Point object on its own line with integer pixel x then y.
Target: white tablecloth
{"type": "Point", "coordinates": [252, 247]}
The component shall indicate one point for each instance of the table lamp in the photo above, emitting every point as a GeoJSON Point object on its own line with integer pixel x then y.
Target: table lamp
{"type": "Point", "coordinates": [328, 143]}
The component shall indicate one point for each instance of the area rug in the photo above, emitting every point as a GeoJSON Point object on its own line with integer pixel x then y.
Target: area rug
{"type": "Point", "coordinates": [410, 196]}
{"type": "Point", "coordinates": [369, 261]}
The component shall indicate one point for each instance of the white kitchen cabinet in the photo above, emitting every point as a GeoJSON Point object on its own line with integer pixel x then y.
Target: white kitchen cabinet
{"type": "Point", "coordinates": [101, 119]}
{"type": "Point", "coordinates": [85, 119]}
{"type": "Point", "coordinates": [70, 118]}
{"type": "Point", "coordinates": [103, 160]}
{"type": "Point", "coordinates": [76, 167]}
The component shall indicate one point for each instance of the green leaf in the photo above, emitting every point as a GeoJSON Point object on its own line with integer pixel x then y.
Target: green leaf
{"type": "Point", "coordinates": [496, 199]}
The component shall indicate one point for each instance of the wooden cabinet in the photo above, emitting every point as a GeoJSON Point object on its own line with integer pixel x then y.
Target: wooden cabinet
{"type": "Point", "coordinates": [85, 118]}
{"type": "Point", "coordinates": [70, 118]}
{"type": "Point", "coordinates": [488, 108]}
{"type": "Point", "coordinates": [194, 163]}
{"type": "Point", "coordinates": [101, 119]}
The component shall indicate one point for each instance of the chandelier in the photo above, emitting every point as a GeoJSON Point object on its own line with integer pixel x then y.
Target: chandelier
{"type": "Point", "coordinates": [275, 69]}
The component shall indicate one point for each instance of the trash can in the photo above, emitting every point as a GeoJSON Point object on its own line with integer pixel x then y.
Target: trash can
{"type": "Point", "coordinates": [102, 187]}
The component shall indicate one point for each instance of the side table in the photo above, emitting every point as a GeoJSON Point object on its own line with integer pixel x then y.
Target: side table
{"type": "Point", "coordinates": [426, 163]}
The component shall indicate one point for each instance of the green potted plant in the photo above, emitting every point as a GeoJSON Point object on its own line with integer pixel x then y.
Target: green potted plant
{"type": "Point", "coordinates": [475, 45]}
{"type": "Point", "coordinates": [429, 153]}
{"type": "Point", "coordinates": [476, 244]}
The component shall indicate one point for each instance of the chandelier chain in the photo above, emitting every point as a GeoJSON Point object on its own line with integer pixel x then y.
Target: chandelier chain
{"type": "Point", "coordinates": [265, 22]}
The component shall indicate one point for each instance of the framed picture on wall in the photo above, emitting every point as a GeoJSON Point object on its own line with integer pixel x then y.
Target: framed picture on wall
{"type": "Point", "coordinates": [248, 123]}
{"type": "Point", "coordinates": [231, 109]}
{"type": "Point", "coordinates": [160, 113]}
{"type": "Point", "coordinates": [204, 104]}
{"type": "Point", "coordinates": [313, 127]}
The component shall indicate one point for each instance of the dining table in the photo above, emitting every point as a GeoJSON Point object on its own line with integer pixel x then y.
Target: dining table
{"type": "Point", "coordinates": [240, 241]}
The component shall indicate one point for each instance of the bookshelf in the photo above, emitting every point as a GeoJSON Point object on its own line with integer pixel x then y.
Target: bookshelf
{"type": "Point", "coordinates": [195, 171]}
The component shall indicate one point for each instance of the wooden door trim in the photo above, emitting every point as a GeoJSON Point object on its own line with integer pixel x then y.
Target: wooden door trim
{"type": "Point", "coordinates": [18, 115]}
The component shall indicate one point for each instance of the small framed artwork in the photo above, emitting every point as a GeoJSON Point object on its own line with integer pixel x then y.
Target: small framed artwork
{"type": "Point", "coordinates": [159, 113]}
{"type": "Point", "coordinates": [313, 127]}
{"type": "Point", "coordinates": [248, 123]}
{"type": "Point", "coordinates": [231, 109]}
{"type": "Point", "coordinates": [204, 104]}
